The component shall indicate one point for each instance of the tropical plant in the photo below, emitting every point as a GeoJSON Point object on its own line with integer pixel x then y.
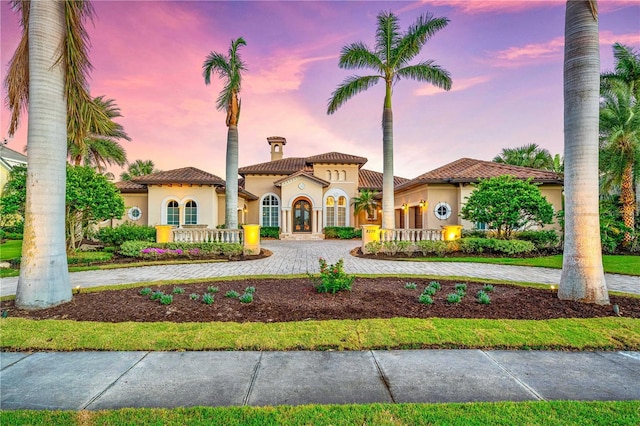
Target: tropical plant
{"type": "Point", "coordinates": [530, 155]}
{"type": "Point", "coordinates": [507, 204]}
{"type": "Point", "coordinates": [365, 202]}
{"type": "Point", "coordinates": [101, 147]}
{"type": "Point", "coordinates": [229, 68]}
{"type": "Point", "coordinates": [620, 132]}
{"type": "Point", "coordinates": [138, 168]}
{"type": "Point", "coordinates": [48, 73]}
{"type": "Point", "coordinates": [582, 276]}
{"type": "Point", "coordinates": [390, 62]}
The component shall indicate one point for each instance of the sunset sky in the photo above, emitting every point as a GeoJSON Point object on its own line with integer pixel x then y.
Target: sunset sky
{"type": "Point", "coordinates": [505, 59]}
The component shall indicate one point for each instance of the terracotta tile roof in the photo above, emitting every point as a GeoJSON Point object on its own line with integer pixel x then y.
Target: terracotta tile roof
{"type": "Point", "coordinates": [467, 170]}
{"type": "Point", "coordinates": [189, 175]}
{"type": "Point", "coordinates": [285, 166]}
{"type": "Point", "coordinates": [128, 186]}
{"type": "Point", "coordinates": [368, 179]}
{"type": "Point", "coordinates": [241, 192]}
{"type": "Point", "coordinates": [336, 157]}
{"type": "Point", "coordinates": [322, 182]}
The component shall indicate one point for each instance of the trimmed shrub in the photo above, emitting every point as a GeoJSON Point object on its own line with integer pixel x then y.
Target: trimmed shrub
{"type": "Point", "coordinates": [541, 239]}
{"type": "Point", "coordinates": [270, 232]}
{"type": "Point", "coordinates": [439, 248]}
{"type": "Point", "coordinates": [342, 232]}
{"type": "Point", "coordinates": [373, 247]}
{"type": "Point", "coordinates": [126, 232]}
{"type": "Point", "coordinates": [332, 278]}
{"type": "Point", "coordinates": [146, 249]}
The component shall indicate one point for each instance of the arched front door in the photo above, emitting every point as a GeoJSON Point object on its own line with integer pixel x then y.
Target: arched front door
{"type": "Point", "coordinates": [302, 216]}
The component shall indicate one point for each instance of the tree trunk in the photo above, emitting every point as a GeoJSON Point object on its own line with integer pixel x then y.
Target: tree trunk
{"type": "Point", "coordinates": [388, 198]}
{"type": "Point", "coordinates": [44, 276]}
{"type": "Point", "coordinates": [231, 191]}
{"type": "Point", "coordinates": [627, 199]}
{"type": "Point", "coordinates": [582, 273]}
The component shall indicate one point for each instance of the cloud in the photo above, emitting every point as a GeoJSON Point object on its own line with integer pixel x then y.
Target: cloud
{"type": "Point", "coordinates": [536, 53]}
{"type": "Point", "coordinates": [458, 86]}
{"type": "Point", "coordinates": [472, 7]}
{"type": "Point", "coordinates": [281, 74]}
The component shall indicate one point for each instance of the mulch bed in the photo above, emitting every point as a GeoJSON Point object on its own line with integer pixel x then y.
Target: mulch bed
{"type": "Point", "coordinates": [280, 300]}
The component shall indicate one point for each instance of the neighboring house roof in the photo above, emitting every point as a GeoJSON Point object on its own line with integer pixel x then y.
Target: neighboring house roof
{"type": "Point", "coordinates": [468, 170]}
{"type": "Point", "coordinates": [287, 166]}
{"type": "Point", "coordinates": [368, 179]}
{"type": "Point", "coordinates": [127, 186]}
{"type": "Point", "coordinates": [186, 175]}
{"type": "Point", "coordinates": [322, 182]}
{"type": "Point", "coordinates": [11, 158]}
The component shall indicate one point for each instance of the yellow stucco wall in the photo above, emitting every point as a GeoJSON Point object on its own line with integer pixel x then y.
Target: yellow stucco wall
{"type": "Point", "coordinates": [205, 197]}
{"type": "Point", "coordinates": [4, 176]}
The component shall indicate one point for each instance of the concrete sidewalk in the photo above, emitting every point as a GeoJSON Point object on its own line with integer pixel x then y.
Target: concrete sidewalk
{"type": "Point", "coordinates": [300, 257]}
{"type": "Point", "coordinates": [111, 380]}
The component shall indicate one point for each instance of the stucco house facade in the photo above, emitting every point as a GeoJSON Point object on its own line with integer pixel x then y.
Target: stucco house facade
{"type": "Point", "coordinates": [8, 160]}
{"type": "Point", "coordinates": [303, 195]}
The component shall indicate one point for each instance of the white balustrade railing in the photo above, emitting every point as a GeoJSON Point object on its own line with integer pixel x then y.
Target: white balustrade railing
{"type": "Point", "coordinates": [412, 235]}
{"type": "Point", "coordinates": [207, 235]}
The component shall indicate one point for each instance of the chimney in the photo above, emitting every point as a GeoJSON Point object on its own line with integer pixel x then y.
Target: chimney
{"type": "Point", "coordinates": [277, 144]}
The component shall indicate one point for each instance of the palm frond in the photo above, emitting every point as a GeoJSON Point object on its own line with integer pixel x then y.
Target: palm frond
{"type": "Point", "coordinates": [427, 71]}
{"type": "Point", "coordinates": [416, 36]}
{"type": "Point", "coordinates": [358, 56]}
{"type": "Point", "coordinates": [215, 63]}
{"type": "Point", "coordinates": [17, 79]}
{"type": "Point", "coordinates": [350, 87]}
{"type": "Point", "coordinates": [388, 35]}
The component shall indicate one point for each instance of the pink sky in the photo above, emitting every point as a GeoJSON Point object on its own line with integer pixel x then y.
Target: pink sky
{"type": "Point", "coordinates": [505, 59]}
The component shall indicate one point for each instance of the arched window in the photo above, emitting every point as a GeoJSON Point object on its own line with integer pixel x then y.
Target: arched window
{"type": "Point", "coordinates": [173, 213]}
{"type": "Point", "coordinates": [328, 174]}
{"type": "Point", "coordinates": [342, 211]}
{"type": "Point", "coordinates": [343, 175]}
{"type": "Point", "coordinates": [270, 210]}
{"type": "Point", "coordinates": [191, 213]}
{"type": "Point", "coordinates": [331, 211]}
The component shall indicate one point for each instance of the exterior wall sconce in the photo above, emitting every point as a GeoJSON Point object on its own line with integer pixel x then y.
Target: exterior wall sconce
{"type": "Point", "coordinates": [405, 206]}
{"type": "Point", "coordinates": [423, 204]}
{"type": "Point", "coordinates": [245, 209]}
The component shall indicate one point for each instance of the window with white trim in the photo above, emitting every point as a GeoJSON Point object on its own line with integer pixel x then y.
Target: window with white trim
{"type": "Point", "coordinates": [134, 213]}
{"type": "Point", "coordinates": [342, 211]}
{"type": "Point", "coordinates": [173, 213]}
{"type": "Point", "coordinates": [270, 210]}
{"type": "Point", "coordinates": [191, 213]}
{"type": "Point", "coordinates": [442, 210]}
{"type": "Point", "coordinates": [331, 211]}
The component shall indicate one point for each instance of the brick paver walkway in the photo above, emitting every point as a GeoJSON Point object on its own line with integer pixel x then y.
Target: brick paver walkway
{"type": "Point", "coordinates": [300, 257]}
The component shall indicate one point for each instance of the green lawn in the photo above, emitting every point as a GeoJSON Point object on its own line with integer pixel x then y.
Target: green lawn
{"type": "Point", "coordinates": [12, 249]}
{"type": "Point", "coordinates": [468, 414]}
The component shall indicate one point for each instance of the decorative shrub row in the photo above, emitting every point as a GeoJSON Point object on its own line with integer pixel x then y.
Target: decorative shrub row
{"type": "Point", "coordinates": [541, 239]}
{"type": "Point", "coordinates": [147, 250]}
{"type": "Point", "coordinates": [342, 232]}
{"type": "Point", "coordinates": [442, 248]}
{"type": "Point", "coordinates": [126, 232]}
{"type": "Point", "coordinates": [270, 232]}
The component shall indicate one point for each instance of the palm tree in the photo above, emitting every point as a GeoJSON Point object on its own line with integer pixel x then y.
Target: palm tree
{"type": "Point", "coordinates": [229, 68]}
{"type": "Point", "coordinates": [627, 69]}
{"type": "Point", "coordinates": [365, 202]}
{"type": "Point", "coordinates": [620, 147]}
{"type": "Point", "coordinates": [390, 62]}
{"type": "Point", "coordinates": [530, 155]}
{"type": "Point", "coordinates": [582, 276]}
{"type": "Point", "coordinates": [49, 63]}
{"type": "Point", "coordinates": [138, 168]}
{"type": "Point", "coordinates": [101, 147]}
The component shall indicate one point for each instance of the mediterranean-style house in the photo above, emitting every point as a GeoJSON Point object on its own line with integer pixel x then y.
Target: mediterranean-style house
{"type": "Point", "coordinates": [303, 195]}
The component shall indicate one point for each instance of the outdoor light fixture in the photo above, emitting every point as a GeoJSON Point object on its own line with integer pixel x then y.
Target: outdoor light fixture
{"type": "Point", "coordinates": [422, 204]}
{"type": "Point", "coordinates": [405, 206]}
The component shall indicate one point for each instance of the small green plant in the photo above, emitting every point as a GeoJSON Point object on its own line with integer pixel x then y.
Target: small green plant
{"type": "Point", "coordinates": [454, 298]}
{"type": "Point", "coordinates": [194, 296]}
{"type": "Point", "coordinates": [246, 298]}
{"type": "Point", "coordinates": [460, 286]}
{"type": "Point", "coordinates": [487, 288]}
{"type": "Point", "coordinates": [166, 299]}
{"type": "Point", "coordinates": [178, 290]}
{"type": "Point", "coordinates": [425, 299]}
{"type": "Point", "coordinates": [332, 278]}
{"type": "Point", "coordinates": [411, 286]}
{"type": "Point", "coordinates": [483, 298]}
{"type": "Point", "coordinates": [4, 314]}
{"type": "Point", "coordinates": [156, 295]}
{"type": "Point", "coordinates": [429, 291]}
{"type": "Point", "coordinates": [250, 290]}
{"type": "Point", "coordinates": [146, 291]}
{"type": "Point", "coordinates": [435, 284]}
{"type": "Point", "coordinates": [207, 298]}
{"type": "Point", "coordinates": [232, 294]}
{"type": "Point", "coordinates": [212, 289]}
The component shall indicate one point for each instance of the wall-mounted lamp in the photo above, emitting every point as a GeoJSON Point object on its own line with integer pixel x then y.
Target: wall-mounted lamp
{"type": "Point", "coordinates": [405, 206]}
{"type": "Point", "coordinates": [245, 209]}
{"type": "Point", "coordinates": [423, 204]}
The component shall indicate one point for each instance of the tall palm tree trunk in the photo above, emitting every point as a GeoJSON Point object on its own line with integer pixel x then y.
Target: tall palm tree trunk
{"type": "Point", "coordinates": [388, 196]}
{"type": "Point", "coordinates": [231, 190]}
{"type": "Point", "coordinates": [628, 201]}
{"type": "Point", "coordinates": [582, 273]}
{"type": "Point", "coordinates": [44, 276]}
